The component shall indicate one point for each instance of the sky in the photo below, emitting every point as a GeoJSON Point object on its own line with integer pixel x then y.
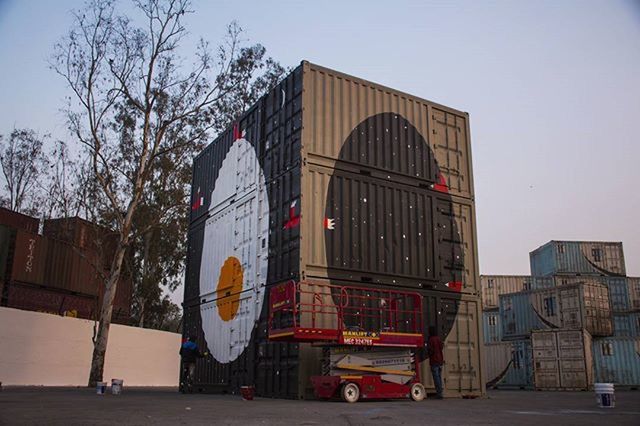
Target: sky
{"type": "Point", "coordinates": [552, 89]}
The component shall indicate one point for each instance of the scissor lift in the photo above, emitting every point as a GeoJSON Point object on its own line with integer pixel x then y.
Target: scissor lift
{"type": "Point", "coordinates": [369, 337]}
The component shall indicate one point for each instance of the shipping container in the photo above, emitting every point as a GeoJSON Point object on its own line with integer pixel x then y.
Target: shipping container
{"type": "Point", "coordinates": [578, 257]}
{"type": "Point", "coordinates": [330, 177]}
{"type": "Point", "coordinates": [29, 258]}
{"type": "Point", "coordinates": [7, 241]}
{"type": "Point", "coordinates": [492, 329]}
{"type": "Point", "coordinates": [562, 359]}
{"type": "Point", "coordinates": [495, 285]}
{"type": "Point", "coordinates": [617, 360]}
{"type": "Point", "coordinates": [634, 292]}
{"type": "Point", "coordinates": [508, 365]}
{"type": "Point", "coordinates": [626, 324]}
{"type": "Point", "coordinates": [19, 221]}
{"type": "Point", "coordinates": [618, 288]}
{"type": "Point", "coordinates": [51, 301]}
{"type": "Point", "coordinates": [584, 305]}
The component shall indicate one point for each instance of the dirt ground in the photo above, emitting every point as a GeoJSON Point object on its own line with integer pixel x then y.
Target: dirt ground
{"type": "Point", "coordinates": [71, 406]}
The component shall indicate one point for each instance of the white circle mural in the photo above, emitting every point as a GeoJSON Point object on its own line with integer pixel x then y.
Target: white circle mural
{"type": "Point", "coordinates": [233, 269]}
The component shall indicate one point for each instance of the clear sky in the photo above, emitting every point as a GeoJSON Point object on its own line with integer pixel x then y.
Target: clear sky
{"type": "Point", "coordinates": [553, 89]}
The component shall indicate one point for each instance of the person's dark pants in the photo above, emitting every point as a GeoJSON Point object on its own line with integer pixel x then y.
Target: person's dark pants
{"type": "Point", "coordinates": [189, 375]}
{"type": "Point", "coordinates": [436, 372]}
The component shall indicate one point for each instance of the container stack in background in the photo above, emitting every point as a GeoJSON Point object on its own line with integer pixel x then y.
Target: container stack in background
{"type": "Point", "coordinates": [574, 321]}
{"type": "Point", "coordinates": [60, 270]}
{"type": "Point", "coordinates": [331, 179]}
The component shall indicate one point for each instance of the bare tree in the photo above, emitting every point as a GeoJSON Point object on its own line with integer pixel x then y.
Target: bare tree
{"type": "Point", "coordinates": [23, 162]}
{"type": "Point", "coordinates": [133, 105]}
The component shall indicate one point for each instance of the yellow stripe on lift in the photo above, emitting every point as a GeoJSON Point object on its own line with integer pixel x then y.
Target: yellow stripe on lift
{"type": "Point", "coordinates": [400, 334]}
{"type": "Point", "coordinates": [350, 377]}
{"type": "Point", "coordinates": [375, 369]}
{"type": "Point", "coordinates": [289, 333]}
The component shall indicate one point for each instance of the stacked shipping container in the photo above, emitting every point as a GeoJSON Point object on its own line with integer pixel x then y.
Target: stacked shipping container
{"type": "Point", "coordinates": [55, 274]}
{"type": "Point", "coordinates": [583, 287]}
{"type": "Point", "coordinates": [329, 178]}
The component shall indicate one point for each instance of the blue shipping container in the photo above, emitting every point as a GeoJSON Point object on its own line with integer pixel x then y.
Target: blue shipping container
{"type": "Point", "coordinates": [518, 373]}
{"type": "Point", "coordinates": [491, 326]}
{"type": "Point", "coordinates": [626, 324]}
{"type": "Point", "coordinates": [617, 360]}
{"type": "Point", "coordinates": [578, 257]}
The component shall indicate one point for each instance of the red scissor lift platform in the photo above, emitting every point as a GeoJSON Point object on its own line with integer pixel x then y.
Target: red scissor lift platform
{"type": "Point", "coordinates": [370, 337]}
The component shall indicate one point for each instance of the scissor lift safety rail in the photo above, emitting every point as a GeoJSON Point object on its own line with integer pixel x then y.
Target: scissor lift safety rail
{"type": "Point", "coordinates": [345, 315]}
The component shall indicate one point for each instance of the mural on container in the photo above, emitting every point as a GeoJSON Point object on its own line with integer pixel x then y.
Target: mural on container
{"type": "Point", "coordinates": [383, 225]}
{"type": "Point", "coordinates": [233, 268]}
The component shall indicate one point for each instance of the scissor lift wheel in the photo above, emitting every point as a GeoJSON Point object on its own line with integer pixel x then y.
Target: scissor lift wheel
{"type": "Point", "coordinates": [417, 392]}
{"type": "Point", "coordinates": [350, 392]}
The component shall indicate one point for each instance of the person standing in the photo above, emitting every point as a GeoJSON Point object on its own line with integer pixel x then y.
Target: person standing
{"type": "Point", "coordinates": [436, 359]}
{"type": "Point", "coordinates": [189, 352]}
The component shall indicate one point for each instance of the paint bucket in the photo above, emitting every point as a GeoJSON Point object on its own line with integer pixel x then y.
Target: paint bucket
{"type": "Point", "coordinates": [101, 388]}
{"type": "Point", "coordinates": [247, 392]}
{"type": "Point", "coordinates": [116, 386]}
{"type": "Point", "coordinates": [605, 395]}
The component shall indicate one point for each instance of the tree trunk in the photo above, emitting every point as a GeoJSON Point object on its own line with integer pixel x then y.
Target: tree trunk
{"type": "Point", "coordinates": [100, 345]}
{"type": "Point", "coordinates": [142, 306]}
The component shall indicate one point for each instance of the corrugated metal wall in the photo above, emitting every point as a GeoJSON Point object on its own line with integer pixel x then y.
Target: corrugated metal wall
{"type": "Point", "coordinates": [617, 360]}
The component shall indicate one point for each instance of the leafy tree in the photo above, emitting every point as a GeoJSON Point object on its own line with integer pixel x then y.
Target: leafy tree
{"type": "Point", "coordinates": [23, 162]}
{"type": "Point", "coordinates": [136, 110]}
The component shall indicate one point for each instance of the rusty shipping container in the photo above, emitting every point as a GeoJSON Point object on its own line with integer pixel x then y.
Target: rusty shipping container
{"type": "Point", "coordinates": [51, 301]}
{"type": "Point", "coordinates": [583, 305]}
{"type": "Point", "coordinates": [578, 257]}
{"type": "Point", "coordinates": [329, 177]}
{"type": "Point", "coordinates": [19, 221]}
{"type": "Point", "coordinates": [29, 258]}
{"type": "Point", "coordinates": [562, 359]}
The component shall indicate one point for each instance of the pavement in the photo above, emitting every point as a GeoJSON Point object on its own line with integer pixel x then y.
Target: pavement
{"type": "Point", "coordinates": [81, 406]}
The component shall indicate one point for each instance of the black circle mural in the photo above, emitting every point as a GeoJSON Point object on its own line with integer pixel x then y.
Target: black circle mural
{"type": "Point", "coordinates": [389, 218]}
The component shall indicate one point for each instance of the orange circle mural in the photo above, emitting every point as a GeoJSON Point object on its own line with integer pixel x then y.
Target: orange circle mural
{"type": "Point", "coordinates": [229, 288]}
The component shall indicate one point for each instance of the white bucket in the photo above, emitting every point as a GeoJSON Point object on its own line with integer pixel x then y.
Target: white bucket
{"type": "Point", "coordinates": [605, 396]}
{"type": "Point", "coordinates": [101, 388]}
{"type": "Point", "coordinates": [116, 386]}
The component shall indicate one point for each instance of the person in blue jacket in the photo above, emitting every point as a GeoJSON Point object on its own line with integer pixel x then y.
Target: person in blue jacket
{"type": "Point", "coordinates": [190, 352]}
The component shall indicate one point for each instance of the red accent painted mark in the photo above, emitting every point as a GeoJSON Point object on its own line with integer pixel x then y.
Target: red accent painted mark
{"type": "Point", "coordinates": [294, 220]}
{"type": "Point", "coordinates": [329, 223]}
{"type": "Point", "coordinates": [441, 186]}
{"type": "Point", "coordinates": [237, 134]}
{"type": "Point", "coordinates": [199, 201]}
{"type": "Point", "coordinates": [455, 285]}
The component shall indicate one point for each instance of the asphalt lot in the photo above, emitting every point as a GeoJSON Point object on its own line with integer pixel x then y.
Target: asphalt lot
{"type": "Point", "coordinates": [71, 406]}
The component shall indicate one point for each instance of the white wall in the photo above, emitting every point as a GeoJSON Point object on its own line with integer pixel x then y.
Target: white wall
{"type": "Point", "coordinates": [45, 349]}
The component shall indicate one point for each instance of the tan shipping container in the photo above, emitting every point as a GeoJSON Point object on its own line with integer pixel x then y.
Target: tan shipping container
{"type": "Point", "coordinates": [494, 285]}
{"type": "Point", "coordinates": [562, 359]}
